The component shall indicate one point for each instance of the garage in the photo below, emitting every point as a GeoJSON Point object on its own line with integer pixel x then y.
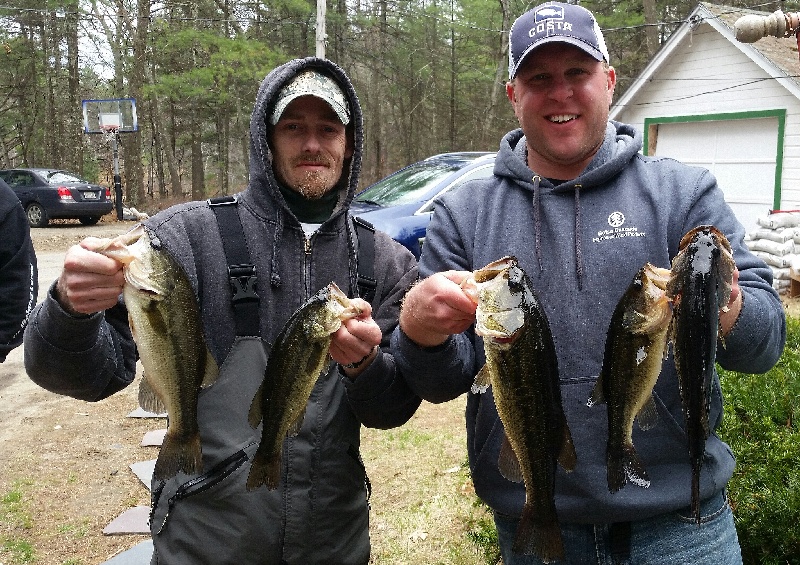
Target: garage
{"type": "Point", "coordinates": [744, 153]}
{"type": "Point", "coordinates": [710, 100]}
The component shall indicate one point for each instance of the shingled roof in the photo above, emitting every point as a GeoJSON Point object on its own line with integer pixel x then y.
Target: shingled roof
{"type": "Point", "coordinates": [781, 51]}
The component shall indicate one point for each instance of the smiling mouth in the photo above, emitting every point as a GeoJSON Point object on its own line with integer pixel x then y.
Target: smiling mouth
{"type": "Point", "coordinates": [562, 118]}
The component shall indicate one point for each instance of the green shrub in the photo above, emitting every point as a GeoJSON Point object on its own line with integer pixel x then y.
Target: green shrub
{"type": "Point", "coordinates": [761, 428]}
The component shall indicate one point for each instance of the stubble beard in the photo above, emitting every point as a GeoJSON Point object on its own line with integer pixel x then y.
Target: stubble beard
{"type": "Point", "coordinates": [313, 186]}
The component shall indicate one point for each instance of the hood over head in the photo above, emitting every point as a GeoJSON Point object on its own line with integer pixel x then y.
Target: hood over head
{"type": "Point", "coordinates": [276, 91]}
{"type": "Point", "coordinates": [329, 82]}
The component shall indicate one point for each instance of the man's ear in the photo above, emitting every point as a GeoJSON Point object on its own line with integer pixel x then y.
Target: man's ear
{"type": "Point", "coordinates": [510, 92]}
{"type": "Point", "coordinates": [611, 83]}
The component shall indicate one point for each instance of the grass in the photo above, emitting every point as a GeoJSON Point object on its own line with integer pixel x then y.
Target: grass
{"type": "Point", "coordinates": [760, 425]}
{"type": "Point", "coordinates": [15, 520]}
{"type": "Point", "coordinates": [424, 509]}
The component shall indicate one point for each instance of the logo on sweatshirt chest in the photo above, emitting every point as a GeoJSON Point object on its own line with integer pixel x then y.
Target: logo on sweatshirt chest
{"type": "Point", "coordinates": [617, 229]}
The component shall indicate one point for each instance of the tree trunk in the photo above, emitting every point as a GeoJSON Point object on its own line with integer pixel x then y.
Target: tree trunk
{"type": "Point", "coordinates": [651, 29]}
{"type": "Point", "coordinates": [198, 180]}
{"type": "Point", "coordinates": [73, 115]}
{"type": "Point", "coordinates": [498, 86]}
{"type": "Point", "coordinates": [134, 173]}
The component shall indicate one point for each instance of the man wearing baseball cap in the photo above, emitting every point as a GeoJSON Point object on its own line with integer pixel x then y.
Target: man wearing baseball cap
{"type": "Point", "coordinates": [582, 210]}
{"type": "Point", "coordinates": [253, 260]}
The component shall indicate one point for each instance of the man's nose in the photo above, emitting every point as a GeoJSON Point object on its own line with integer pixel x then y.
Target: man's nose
{"type": "Point", "coordinates": [311, 143]}
{"type": "Point", "coordinates": [561, 88]}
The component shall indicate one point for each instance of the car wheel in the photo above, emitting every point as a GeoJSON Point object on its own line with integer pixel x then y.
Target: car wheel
{"type": "Point", "coordinates": [37, 215]}
{"type": "Point", "coordinates": [89, 220]}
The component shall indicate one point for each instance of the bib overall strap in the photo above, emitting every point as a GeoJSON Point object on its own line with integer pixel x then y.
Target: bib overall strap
{"type": "Point", "coordinates": [365, 234]}
{"type": "Point", "coordinates": [241, 270]}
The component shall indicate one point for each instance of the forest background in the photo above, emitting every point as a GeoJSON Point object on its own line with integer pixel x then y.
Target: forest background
{"type": "Point", "coordinates": [430, 75]}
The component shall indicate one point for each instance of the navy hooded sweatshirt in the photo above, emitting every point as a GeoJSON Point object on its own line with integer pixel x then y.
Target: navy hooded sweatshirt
{"type": "Point", "coordinates": [581, 243]}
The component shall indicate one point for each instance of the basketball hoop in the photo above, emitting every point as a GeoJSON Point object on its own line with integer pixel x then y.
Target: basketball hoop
{"type": "Point", "coordinates": [110, 132]}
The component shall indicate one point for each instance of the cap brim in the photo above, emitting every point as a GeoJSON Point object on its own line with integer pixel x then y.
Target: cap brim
{"type": "Point", "coordinates": [582, 45]}
{"type": "Point", "coordinates": [284, 102]}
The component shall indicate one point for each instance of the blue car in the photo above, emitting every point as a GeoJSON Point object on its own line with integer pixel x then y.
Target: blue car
{"type": "Point", "coordinates": [402, 203]}
{"type": "Point", "coordinates": [53, 193]}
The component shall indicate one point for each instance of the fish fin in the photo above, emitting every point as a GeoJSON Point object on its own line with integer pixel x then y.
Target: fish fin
{"type": "Point", "coordinates": [624, 466]}
{"type": "Point", "coordinates": [179, 453]}
{"type": "Point", "coordinates": [149, 399]}
{"type": "Point", "coordinates": [482, 380]}
{"type": "Point", "coordinates": [256, 408]}
{"type": "Point", "coordinates": [597, 396]}
{"type": "Point", "coordinates": [538, 537]}
{"type": "Point", "coordinates": [211, 371]}
{"type": "Point", "coordinates": [647, 418]}
{"type": "Point", "coordinates": [507, 462]}
{"type": "Point", "coordinates": [265, 470]}
{"type": "Point", "coordinates": [567, 457]}
{"type": "Point", "coordinates": [294, 427]}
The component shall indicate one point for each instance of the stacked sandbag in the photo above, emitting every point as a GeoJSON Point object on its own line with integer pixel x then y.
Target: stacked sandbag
{"type": "Point", "coordinates": [777, 242]}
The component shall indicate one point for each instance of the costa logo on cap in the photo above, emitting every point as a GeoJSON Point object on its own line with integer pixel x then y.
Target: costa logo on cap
{"type": "Point", "coordinates": [549, 13]}
{"type": "Point", "coordinates": [554, 22]}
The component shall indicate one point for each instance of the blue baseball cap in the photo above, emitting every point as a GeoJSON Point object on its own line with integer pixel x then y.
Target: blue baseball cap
{"type": "Point", "coordinates": [554, 22]}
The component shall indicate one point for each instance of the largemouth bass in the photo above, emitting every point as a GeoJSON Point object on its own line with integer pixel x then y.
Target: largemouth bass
{"type": "Point", "coordinates": [165, 322]}
{"type": "Point", "coordinates": [635, 349]}
{"type": "Point", "coordinates": [522, 368]}
{"type": "Point", "coordinates": [299, 356]}
{"type": "Point", "coordinates": [700, 285]}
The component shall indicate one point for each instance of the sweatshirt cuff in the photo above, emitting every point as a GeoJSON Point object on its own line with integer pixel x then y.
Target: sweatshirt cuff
{"type": "Point", "coordinates": [64, 330]}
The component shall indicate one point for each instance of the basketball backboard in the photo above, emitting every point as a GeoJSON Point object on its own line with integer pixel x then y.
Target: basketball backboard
{"type": "Point", "coordinates": [101, 116]}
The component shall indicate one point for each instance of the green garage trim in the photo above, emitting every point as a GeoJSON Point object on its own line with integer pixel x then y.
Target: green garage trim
{"type": "Point", "coordinates": [759, 114]}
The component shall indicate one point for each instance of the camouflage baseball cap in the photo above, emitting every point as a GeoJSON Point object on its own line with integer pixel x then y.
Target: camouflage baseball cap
{"type": "Point", "coordinates": [312, 83]}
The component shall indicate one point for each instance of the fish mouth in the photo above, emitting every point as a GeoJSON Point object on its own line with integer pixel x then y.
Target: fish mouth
{"type": "Point", "coordinates": [657, 276]}
{"type": "Point", "coordinates": [712, 231]}
{"type": "Point", "coordinates": [118, 248]}
{"type": "Point", "coordinates": [471, 284]}
{"type": "Point", "coordinates": [494, 268]}
{"type": "Point", "coordinates": [345, 309]}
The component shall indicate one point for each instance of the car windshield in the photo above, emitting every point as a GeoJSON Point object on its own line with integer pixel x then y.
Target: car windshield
{"type": "Point", "coordinates": [408, 185]}
{"type": "Point", "coordinates": [57, 177]}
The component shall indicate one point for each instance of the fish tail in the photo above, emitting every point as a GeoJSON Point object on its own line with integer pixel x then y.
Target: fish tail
{"type": "Point", "coordinates": [538, 537]}
{"type": "Point", "coordinates": [696, 491]}
{"type": "Point", "coordinates": [624, 466]}
{"type": "Point", "coordinates": [265, 470]}
{"type": "Point", "coordinates": [179, 453]}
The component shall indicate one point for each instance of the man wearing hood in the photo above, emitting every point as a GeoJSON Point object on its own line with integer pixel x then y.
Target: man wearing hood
{"type": "Point", "coordinates": [582, 209]}
{"type": "Point", "coordinates": [306, 143]}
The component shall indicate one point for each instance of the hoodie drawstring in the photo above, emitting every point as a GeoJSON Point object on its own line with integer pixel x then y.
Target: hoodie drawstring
{"type": "Point", "coordinates": [352, 262]}
{"type": "Point", "coordinates": [274, 276]}
{"type": "Point", "coordinates": [537, 226]}
{"type": "Point", "coordinates": [578, 242]}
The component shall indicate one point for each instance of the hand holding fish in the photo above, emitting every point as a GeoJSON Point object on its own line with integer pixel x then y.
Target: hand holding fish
{"type": "Point", "coordinates": [436, 308]}
{"type": "Point", "coordinates": [356, 341]}
{"type": "Point", "coordinates": [90, 282]}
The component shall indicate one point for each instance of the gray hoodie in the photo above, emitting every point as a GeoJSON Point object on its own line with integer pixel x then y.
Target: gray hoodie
{"type": "Point", "coordinates": [319, 512]}
{"type": "Point", "coordinates": [581, 243]}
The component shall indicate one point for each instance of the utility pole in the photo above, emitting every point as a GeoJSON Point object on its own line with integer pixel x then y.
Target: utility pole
{"type": "Point", "coordinates": [321, 35]}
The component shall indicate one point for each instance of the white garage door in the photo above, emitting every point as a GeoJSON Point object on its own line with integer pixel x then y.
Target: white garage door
{"type": "Point", "coordinates": [740, 153]}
